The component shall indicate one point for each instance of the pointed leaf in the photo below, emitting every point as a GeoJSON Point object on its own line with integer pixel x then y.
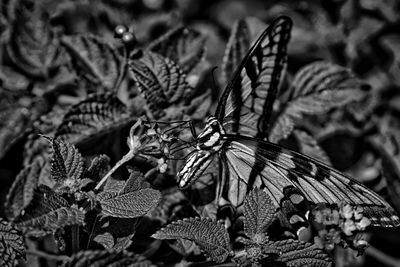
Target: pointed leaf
{"type": "Point", "coordinates": [94, 116]}
{"type": "Point", "coordinates": [317, 88]}
{"type": "Point", "coordinates": [210, 236]}
{"type": "Point", "coordinates": [129, 204]}
{"type": "Point", "coordinates": [298, 253]}
{"type": "Point", "coordinates": [33, 46]}
{"type": "Point", "coordinates": [12, 244]}
{"type": "Point", "coordinates": [309, 146]}
{"type": "Point", "coordinates": [21, 192]}
{"type": "Point", "coordinates": [66, 164]}
{"type": "Point", "coordinates": [48, 212]}
{"type": "Point", "coordinates": [182, 45]}
{"type": "Point", "coordinates": [95, 60]}
{"type": "Point", "coordinates": [99, 166]}
{"type": "Point", "coordinates": [160, 80]}
{"type": "Point", "coordinates": [258, 212]}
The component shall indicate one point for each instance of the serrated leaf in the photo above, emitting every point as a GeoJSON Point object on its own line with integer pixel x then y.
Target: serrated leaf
{"type": "Point", "coordinates": [99, 166]}
{"type": "Point", "coordinates": [298, 253]}
{"type": "Point", "coordinates": [184, 46]}
{"type": "Point", "coordinates": [258, 212]}
{"type": "Point", "coordinates": [309, 146]}
{"type": "Point", "coordinates": [103, 258]}
{"type": "Point", "coordinates": [48, 212]}
{"type": "Point", "coordinates": [94, 116]}
{"type": "Point", "coordinates": [95, 60]}
{"type": "Point", "coordinates": [12, 244]}
{"type": "Point", "coordinates": [33, 46]}
{"type": "Point", "coordinates": [129, 204]}
{"type": "Point", "coordinates": [21, 192]}
{"type": "Point", "coordinates": [160, 80]}
{"type": "Point", "coordinates": [210, 236]}
{"type": "Point", "coordinates": [317, 88]}
{"type": "Point", "coordinates": [66, 164]}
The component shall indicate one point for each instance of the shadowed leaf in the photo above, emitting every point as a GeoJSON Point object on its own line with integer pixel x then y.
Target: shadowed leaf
{"type": "Point", "coordinates": [309, 146]}
{"type": "Point", "coordinates": [12, 246]}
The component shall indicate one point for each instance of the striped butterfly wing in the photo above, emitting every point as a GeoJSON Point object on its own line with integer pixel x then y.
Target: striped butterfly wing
{"type": "Point", "coordinates": [275, 169]}
{"type": "Point", "coordinates": [246, 105]}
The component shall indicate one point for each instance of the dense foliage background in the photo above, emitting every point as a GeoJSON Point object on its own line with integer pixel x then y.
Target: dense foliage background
{"type": "Point", "coordinates": [64, 74]}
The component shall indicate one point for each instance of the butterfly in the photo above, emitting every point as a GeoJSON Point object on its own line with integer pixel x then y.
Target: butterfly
{"type": "Point", "coordinates": [236, 137]}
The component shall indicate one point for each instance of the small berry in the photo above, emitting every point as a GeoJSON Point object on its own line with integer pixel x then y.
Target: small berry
{"type": "Point", "coordinates": [129, 39]}
{"type": "Point", "coordinates": [120, 30]}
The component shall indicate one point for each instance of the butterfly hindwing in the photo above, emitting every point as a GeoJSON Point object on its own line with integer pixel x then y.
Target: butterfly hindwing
{"type": "Point", "coordinates": [279, 168]}
{"type": "Point", "coordinates": [246, 104]}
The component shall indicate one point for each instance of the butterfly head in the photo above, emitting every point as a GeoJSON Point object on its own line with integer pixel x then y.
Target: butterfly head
{"type": "Point", "coordinates": [210, 138]}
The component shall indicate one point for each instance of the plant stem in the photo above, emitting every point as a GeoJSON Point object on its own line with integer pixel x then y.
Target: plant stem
{"type": "Point", "coordinates": [383, 257]}
{"type": "Point", "coordinates": [128, 156]}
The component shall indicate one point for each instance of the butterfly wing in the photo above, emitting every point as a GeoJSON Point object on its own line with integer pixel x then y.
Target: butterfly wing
{"type": "Point", "coordinates": [246, 104]}
{"type": "Point", "coordinates": [253, 163]}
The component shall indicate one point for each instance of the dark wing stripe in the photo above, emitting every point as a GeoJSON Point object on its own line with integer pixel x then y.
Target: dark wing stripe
{"type": "Point", "coordinates": [246, 105]}
{"type": "Point", "coordinates": [283, 168]}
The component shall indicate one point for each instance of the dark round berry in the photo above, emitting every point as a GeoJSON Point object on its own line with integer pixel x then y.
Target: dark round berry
{"type": "Point", "coordinates": [120, 30]}
{"type": "Point", "coordinates": [129, 39]}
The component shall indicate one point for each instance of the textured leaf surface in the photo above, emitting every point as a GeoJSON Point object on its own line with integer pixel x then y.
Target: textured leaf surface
{"type": "Point", "coordinates": [160, 80]}
{"type": "Point", "coordinates": [97, 61]}
{"type": "Point", "coordinates": [317, 88]}
{"type": "Point", "coordinates": [103, 258]}
{"type": "Point", "coordinates": [208, 235]}
{"type": "Point", "coordinates": [47, 212]}
{"type": "Point", "coordinates": [182, 45]}
{"type": "Point", "coordinates": [258, 212]}
{"type": "Point", "coordinates": [99, 166]}
{"type": "Point", "coordinates": [12, 245]}
{"type": "Point", "coordinates": [297, 254]}
{"type": "Point", "coordinates": [96, 115]}
{"type": "Point", "coordinates": [33, 46]}
{"type": "Point", "coordinates": [66, 164]}
{"type": "Point", "coordinates": [21, 192]}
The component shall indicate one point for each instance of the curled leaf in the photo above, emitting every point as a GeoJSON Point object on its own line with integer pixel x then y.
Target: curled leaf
{"type": "Point", "coordinates": [208, 235]}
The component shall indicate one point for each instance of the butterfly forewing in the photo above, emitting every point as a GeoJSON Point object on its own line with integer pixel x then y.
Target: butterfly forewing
{"type": "Point", "coordinates": [246, 105]}
{"type": "Point", "coordinates": [282, 168]}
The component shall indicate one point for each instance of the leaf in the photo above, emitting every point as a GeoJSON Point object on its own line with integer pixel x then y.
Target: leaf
{"type": "Point", "coordinates": [184, 46]}
{"type": "Point", "coordinates": [103, 258]}
{"type": "Point", "coordinates": [12, 246]}
{"type": "Point", "coordinates": [317, 88]}
{"type": "Point", "coordinates": [210, 236]}
{"type": "Point", "coordinates": [21, 192]}
{"type": "Point", "coordinates": [96, 61]}
{"type": "Point", "coordinates": [48, 212]}
{"type": "Point", "coordinates": [309, 146]}
{"type": "Point", "coordinates": [134, 199]}
{"type": "Point", "coordinates": [97, 115]}
{"type": "Point", "coordinates": [33, 46]}
{"type": "Point", "coordinates": [66, 164]}
{"type": "Point", "coordinates": [236, 49]}
{"type": "Point", "coordinates": [160, 80]}
{"type": "Point", "coordinates": [258, 212]}
{"type": "Point", "coordinates": [298, 253]}
{"type": "Point", "coordinates": [99, 166]}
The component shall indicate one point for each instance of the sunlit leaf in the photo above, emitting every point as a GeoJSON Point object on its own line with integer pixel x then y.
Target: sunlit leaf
{"type": "Point", "coordinates": [97, 115]}
{"type": "Point", "coordinates": [208, 235]}
{"type": "Point", "coordinates": [21, 192]}
{"type": "Point", "coordinates": [96, 61]}
{"type": "Point", "coordinates": [258, 212]}
{"type": "Point", "coordinates": [12, 245]}
{"type": "Point", "coordinates": [182, 45]}
{"type": "Point", "coordinates": [161, 82]}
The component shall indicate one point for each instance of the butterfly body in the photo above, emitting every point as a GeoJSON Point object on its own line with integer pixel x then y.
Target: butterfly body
{"type": "Point", "coordinates": [236, 136]}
